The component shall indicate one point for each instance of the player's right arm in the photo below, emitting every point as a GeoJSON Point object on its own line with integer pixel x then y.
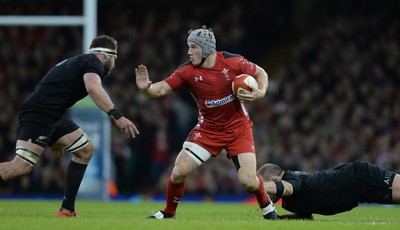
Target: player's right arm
{"type": "Point", "coordinates": [103, 101]}
{"type": "Point", "coordinates": [271, 187]}
{"type": "Point", "coordinates": [149, 89]}
{"type": "Point", "coordinates": [96, 91]}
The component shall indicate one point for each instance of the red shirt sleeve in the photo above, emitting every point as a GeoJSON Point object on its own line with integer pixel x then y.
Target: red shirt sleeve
{"type": "Point", "coordinates": [246, 66]}
{"type": "Point", "coordinates": [176, 80]}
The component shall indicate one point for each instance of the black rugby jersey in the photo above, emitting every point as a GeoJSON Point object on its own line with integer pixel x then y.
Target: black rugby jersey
{"type": "Point", "coordinates": [63, 85]}
{"type": "Point", "coordinates": [321, 192]}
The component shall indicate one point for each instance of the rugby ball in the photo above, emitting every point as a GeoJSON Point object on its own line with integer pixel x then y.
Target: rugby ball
{"type": "Point", "coordinates": [241, 84]}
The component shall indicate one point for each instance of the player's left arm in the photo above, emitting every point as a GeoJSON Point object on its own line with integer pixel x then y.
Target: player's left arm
{"type": "Point", "coordinates": [262, 79]}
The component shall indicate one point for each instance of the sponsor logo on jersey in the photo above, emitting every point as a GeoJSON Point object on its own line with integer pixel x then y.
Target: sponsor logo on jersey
{"type": "Point", "coordinates": [219, 102]}
{"type": "Point", "coordinates": [387, 178]}
{"type": "Point", "coordinates": [199, 78]}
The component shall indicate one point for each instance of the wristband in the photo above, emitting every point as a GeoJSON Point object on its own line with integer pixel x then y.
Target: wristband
{"type": "Point", "coordinates": [114, 113]}
{"type": "Point", "coordinates": [279, 188]}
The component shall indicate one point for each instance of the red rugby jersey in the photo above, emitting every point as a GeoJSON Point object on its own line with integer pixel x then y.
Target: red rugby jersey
{"type": "Point", "coordinates": [218, 108]}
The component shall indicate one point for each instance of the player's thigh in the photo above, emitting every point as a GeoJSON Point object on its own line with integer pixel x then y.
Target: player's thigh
{"type": "Point", "coordinates": [242, 142]}
{"type": "Point", "coordinates": [248, 163]}
{"type": "Point", "coordinates": [65, 133]}
{"type": "Point", "coordinates": [33, 137]}
{"type": "Point", "coordinates": [37, 149]}
{"type": "Point", "coordinates": [184, 165]}
{"type": "Point", "coordinates": [67, 139]}
{"type": "Point", "coordinates": [35, 132]}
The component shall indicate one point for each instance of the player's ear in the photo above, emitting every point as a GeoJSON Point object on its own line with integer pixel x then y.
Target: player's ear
{"type": "Point", "coordinates": [281, 175]}
{"type": "Point", "coordinates": [275, 178]}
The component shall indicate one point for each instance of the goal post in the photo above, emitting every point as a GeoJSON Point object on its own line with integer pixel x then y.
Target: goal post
{"type": "Point", "coordinates": [88, 21]}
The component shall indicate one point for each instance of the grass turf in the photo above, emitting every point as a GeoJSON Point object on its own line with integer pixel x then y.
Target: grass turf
{"type": "Point", "coordinates": [40, 214]}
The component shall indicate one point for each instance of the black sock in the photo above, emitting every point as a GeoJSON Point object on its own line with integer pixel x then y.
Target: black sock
{"type": "Point", "coordinates": [75, 172]}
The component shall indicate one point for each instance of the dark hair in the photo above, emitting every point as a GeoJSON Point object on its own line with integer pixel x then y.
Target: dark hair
{"type": "Point", "coordinates": [269, 170]}
{"type": "Point", "coordinates": [104, 41]}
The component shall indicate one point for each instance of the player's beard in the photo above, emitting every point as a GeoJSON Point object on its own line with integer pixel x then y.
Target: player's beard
{"type": "Point", "coordinates": [107, 68]}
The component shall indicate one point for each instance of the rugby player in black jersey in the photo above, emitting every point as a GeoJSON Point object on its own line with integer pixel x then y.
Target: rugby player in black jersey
{"type": "Point", "coordinates": [329, 192]}
{"type": "Point", "coordinates": [43, 121]}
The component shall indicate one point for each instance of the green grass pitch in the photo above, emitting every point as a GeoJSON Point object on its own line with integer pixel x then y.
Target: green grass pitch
{"type": "Point", "coordinates": [40, 214]}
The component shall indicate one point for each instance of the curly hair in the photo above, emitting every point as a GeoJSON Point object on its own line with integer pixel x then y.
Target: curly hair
{"type": "Point", "coordinates": [104, 41]}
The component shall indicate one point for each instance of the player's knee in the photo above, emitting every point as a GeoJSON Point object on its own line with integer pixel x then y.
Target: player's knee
{"type": "Point", "coordinates": [248, 181]}
{"type": "Point", "coordinates": [16, 168]}
{"type": "Point", "coordinates": [79, 143]}
{"type": "Point", "coordinates": [181, 172]}
{"type": "Point", "coordinates": [87, 152]}
{"type": "Point", "coordinates": [178, 176]}
{"type": "Point", "coordinates": [82, 148]}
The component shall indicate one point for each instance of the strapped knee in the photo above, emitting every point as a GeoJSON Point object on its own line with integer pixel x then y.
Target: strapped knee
{"type": "Point", "coordinates": [196, 152]}
{"type": "Point", "coordinates": [27, 155]}
{"type": "Point", "coordinates": [78, 144]}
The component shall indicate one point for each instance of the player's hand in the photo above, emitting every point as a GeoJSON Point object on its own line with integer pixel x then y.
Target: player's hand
{"type": "Point", "coordinates": [142, 78]}
{"type": "Point", "coordinates": [256, 94]}
{"type": "Point", "coordinates": [127, 127]}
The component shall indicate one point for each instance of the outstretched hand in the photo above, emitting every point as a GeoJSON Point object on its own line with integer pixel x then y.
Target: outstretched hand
{"type": "Point", "coordinates": [142, 78]}
{"type": "Point", "coordinates": [127, 127]}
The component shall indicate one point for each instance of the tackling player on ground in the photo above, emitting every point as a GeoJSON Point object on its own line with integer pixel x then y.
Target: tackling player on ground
{"type": "Point", "coordinates": [330, 192]}
{"type": "Point", "coordinates": [223, 121]}
{"type": "Point", "coordinates": [43, 121]}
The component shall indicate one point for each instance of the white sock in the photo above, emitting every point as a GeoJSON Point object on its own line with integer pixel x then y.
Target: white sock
{"type": "Point", "coordinates": [268, 209]}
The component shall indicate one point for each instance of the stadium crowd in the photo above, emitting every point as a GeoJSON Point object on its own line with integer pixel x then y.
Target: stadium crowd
{"type": "Point", "coordinates": [333, 99]}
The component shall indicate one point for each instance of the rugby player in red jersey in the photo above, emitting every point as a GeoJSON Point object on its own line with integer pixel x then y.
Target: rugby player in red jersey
{"type": "Point", "coordinates": [223, 121]}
